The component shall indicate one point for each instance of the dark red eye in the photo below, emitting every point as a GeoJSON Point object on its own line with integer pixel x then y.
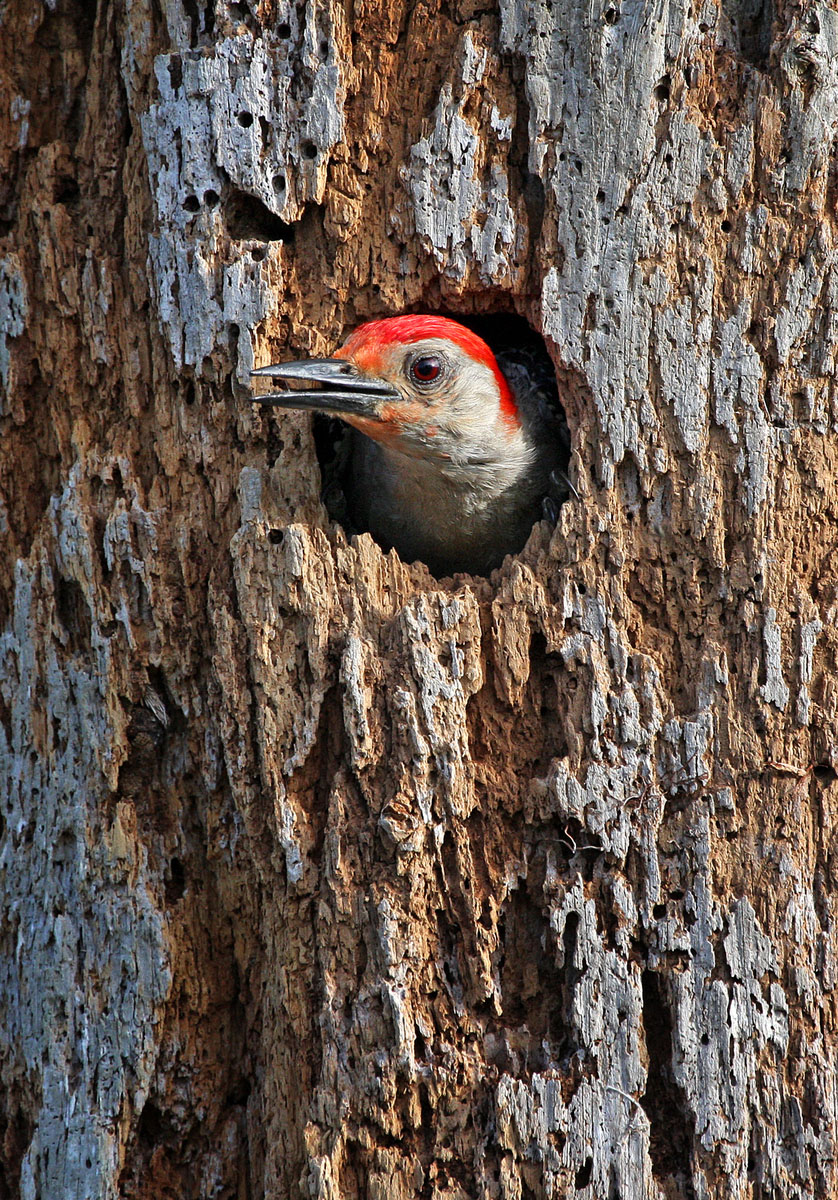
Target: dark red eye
{"type": "Point", "coordinates": [426, 369]}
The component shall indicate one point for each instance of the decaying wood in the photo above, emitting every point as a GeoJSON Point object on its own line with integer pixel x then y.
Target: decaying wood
{"type": "Point", "coordinates": [322, 877]}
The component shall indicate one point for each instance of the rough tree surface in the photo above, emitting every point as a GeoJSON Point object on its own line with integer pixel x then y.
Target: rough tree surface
{"type": "Point", "coordinates": [322, 877]}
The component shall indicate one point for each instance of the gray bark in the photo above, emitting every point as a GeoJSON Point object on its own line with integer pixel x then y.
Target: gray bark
{"type": "Point", "coordinates": [324, 878]}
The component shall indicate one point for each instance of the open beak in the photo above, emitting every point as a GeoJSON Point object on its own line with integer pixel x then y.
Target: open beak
{"type": "Point", "coordinates": [339, 387]}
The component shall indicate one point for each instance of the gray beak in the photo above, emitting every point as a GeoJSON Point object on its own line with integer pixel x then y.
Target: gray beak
{"type": "Point", "coordinates": [339, 387]}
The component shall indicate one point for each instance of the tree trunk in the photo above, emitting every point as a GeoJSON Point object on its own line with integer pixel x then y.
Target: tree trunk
{"type": "Point", "coordinates": [325, 878]}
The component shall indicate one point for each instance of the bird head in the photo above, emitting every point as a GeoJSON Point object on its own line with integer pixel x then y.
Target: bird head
{"type": "Point", "coordinates": [421, 385]}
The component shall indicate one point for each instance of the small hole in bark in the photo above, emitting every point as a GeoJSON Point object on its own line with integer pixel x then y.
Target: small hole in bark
{"type": "Point", "coordinates": [239, 1093]}
{"type": "Point", "coordinates": [278, 182]}
{"type": "Point", "coordinates": [176, 883]}
{"type": "Point", "coordinates": [825, 773]}
{"type": "Point", "coordinates": [275, 536]}
{"type": "Point", "coordinates": [192, 204]}
{"type": "Point", "coordinates": [211, 197]}
{"type": "Point", "coordinates": [309, 150]}
{"type": "Point", "coordinates": [583, 1175]}
{"type": "Point", "coordinates": [175, 72]}
{"type": "Point", "coordinates": [324, 48]}
{"type": "Point", "coordinates": [663, 89]}
{"type": "Point", "coordinates": [66, 190]}
{"type": "Point", "coordinates": [659, 911]}
{"type": "Point", "coordinates": [283, 30]}
{"type": "Point", "coordinates": [152, 1124]}
{"type": "Point", "coordinates": [74, 613]}
{"type": "Point", "coordinates": [248, 219]}
{"type": "Point", "coordinates": [752, 24]}
{"type": "Point", "coordinates": [726, 226]}
{"type": "Point", "coordinates": [664, 1102]}
{"type": "Point", "coordinates": [245, 119]}
{"type": "Point", "coordinates": [257, 254]}
{"type": "Point", "coordinates": [17, 1136]}
{"type": "Point", "coordinates": [612, 16]}
{"type": "Point", "coordinates": [189, 392]}
{"type": "Point", "coordinates": [581, 589]}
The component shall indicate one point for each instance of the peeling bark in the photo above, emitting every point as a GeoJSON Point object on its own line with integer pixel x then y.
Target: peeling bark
{"type": "Point", "coordinates": [325, 878]}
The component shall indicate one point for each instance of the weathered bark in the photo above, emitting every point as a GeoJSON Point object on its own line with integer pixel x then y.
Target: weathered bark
{"type": "Point", "coordinates": [325, 878]}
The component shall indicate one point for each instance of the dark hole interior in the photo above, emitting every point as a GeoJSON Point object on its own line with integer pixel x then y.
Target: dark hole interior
{"type": "Point", "coordinates": [249, 219]}
{"type": "Point", "coordinates": [521, 353]}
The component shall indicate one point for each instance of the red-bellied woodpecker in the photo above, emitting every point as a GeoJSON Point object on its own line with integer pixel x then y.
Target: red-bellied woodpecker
{"type": "Point", "coordinates": [452, 455]}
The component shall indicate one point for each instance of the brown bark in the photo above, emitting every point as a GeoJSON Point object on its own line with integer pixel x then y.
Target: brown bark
{"type": "Point", "coordinates": [325, 878]}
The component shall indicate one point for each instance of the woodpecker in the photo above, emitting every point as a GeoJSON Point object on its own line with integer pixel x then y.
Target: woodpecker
{"type": "Point", "coordinates": [451, 455]}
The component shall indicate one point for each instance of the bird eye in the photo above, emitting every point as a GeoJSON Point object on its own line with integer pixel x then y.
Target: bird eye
{"type": "Point", "coordinates": [426, 369]}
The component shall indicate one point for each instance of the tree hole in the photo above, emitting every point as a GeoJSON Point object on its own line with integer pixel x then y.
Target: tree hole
{"type": "Point", "coordinates": [349, 464]}
{"type": "Point", "coordinates": [663, 89]}
{"type": "Point", "coordinates": [671, 1123]}
{"type": "Point", "coordinates": [74, 615]}
{"type": "Point", "coordinates": [66, 190]}
{"type": "Point", "coordinates": [175, 882]}
{"type": "Point", "coordinates": [825, 773]}
{"type": "Point", "coordinates": [583, 1175]}
{"type": "Point", "coordinates": [248, 219]}
{"type": "Point", "coordinates": [751, 25]}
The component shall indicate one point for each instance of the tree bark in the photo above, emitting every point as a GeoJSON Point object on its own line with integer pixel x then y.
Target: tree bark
{"type": "Point", "coordinates": [325, 878]}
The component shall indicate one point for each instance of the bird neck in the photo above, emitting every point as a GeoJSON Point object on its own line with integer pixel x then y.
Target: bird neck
{"type": "Point", "coordinates": [459, 513]}
{"type": "Point", "coordinates": [452, 466]}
